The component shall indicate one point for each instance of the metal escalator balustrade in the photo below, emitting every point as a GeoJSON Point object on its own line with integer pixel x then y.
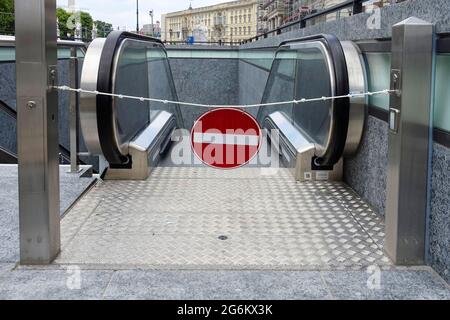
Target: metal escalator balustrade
{"type": "Point", "coordinates": [133, 65]}
{"type": "Point", "coordinates": [316, 66]}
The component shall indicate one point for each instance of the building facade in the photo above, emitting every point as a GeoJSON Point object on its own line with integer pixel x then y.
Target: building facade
{"type": "Point", "coordinates": [273, 14]}
{"type": "Point", "coordinates": [151, 30]}
{"type": "Point", "coordinates": [227, 22]}
{"type": "Point", "coordinates": [276, 13]}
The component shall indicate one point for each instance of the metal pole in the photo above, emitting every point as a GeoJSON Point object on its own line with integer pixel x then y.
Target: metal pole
{"type": "Point", "coordinates": [137, 16]}
{"type": "Point", "coordinates": [73, 112]}
{"type": "Point", "coordinates": [37, 135]}
{"type": "Point", "coordinates": [153, 27]}
{"type": "Point", "coordinates": [409, 141]}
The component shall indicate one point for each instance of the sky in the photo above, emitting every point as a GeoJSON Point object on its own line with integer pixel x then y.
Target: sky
{"type": "Point", "coordinates": [122, 13]}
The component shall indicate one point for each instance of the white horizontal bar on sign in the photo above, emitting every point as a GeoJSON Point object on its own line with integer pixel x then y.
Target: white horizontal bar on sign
{"type": "Point", "coordinates": [228, 139]}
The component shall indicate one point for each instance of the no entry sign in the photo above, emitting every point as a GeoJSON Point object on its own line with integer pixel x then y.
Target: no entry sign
{"type": "Point", "coordinates": [226, 138]}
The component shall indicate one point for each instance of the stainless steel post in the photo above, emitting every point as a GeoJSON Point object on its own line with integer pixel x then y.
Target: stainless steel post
{"type": "Point", "coordinates": [37, 106]}
{"type": "Point", "coordinates": [409, 141]}
{"type": "Point", "coordinates": [73, 111]}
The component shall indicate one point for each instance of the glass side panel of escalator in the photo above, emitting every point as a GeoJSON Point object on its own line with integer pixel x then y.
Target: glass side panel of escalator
{"type": "Point", "coordinates": [378, 65]}
{"type": "Point", "coordinates": [301, 71]}
{"type": "Point", "coordinates": [142, 71]}
{"type": "Point", "coordinates": [312, 81]}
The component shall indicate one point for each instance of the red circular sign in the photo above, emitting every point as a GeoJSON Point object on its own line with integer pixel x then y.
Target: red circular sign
{"type": "Point", "coordinates": [226, 138]}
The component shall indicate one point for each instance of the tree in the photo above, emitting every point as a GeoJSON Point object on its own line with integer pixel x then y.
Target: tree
{"type": "Point", "coordinates": [86, 25]}
{"type": "Point", "coordinates": [67, 20]}
{"type": "Point", "coordinates": [103, 28]}
{"type": "Point", "coordinates": [63, 17]}
{"type": "Point", "coordinates": [7, 17]}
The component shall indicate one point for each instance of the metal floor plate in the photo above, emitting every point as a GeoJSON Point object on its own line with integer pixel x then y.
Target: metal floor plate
{"type": "Point", "coordinates": [176, 218]}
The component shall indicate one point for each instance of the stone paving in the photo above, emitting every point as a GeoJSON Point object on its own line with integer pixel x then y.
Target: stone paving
{"type": "Point", "coordinates": [69, 281]}
{"type": "Point", "coordinates": [59, 283]}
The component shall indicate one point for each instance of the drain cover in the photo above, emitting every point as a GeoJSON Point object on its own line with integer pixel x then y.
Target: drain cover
{"type": "Point", "coordinates": [223, 238]}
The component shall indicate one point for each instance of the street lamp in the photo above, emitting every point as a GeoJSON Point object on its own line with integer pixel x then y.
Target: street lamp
{"type": "Point", "coordinates": [153, 26]}
{"type": "Point", "coordinates": [137, 16]}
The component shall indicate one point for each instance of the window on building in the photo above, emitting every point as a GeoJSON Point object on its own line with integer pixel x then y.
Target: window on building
{"type": "Point", "coordinates": [240, 30]}
{"type": "Point", "coordinates": [249, 30]}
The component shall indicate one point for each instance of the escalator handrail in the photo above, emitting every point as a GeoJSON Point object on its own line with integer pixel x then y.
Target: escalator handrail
{"type": "Point", "coordinates": [105, 114]}
{"type": "Point", "coordinates": [341, 107]}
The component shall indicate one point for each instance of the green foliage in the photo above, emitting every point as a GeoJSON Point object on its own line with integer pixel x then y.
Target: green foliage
{"type": "Point", "coordinates": [63, 16]}
{"type": "Point", "coordinates": [66, 23]}
{"type": "Point", "coordinates": [103, 28]}
{"type": "Point", "coordinates": [7, 17]}
{"type": "Point", "coordinates": [86, 24]}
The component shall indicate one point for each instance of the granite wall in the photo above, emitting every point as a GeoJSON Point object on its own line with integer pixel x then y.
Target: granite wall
{"type": "Point", "coordinates": [217, 81]}
{"type": "Point", "coordinates": [64, 104]}
{"type": "Point", "coordinates": [439, 220]}
{"type": "Point", "coordinates": [366, 172]}
{"type": "Point", "coordinates": [8, 127]}
{"type": "Point", "coordinates": [205, 81]}
{"type": "Point", "coordinates": [8, 133]}
{"type": "Point", "coordinates": [8, 96]}
{"type": "Point", "coordinates": [8, 84]}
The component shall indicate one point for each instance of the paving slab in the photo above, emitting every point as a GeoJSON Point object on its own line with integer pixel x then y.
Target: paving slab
{"type": "Point", "coordinates": [212, 285]}
{"type": "Point", "coordinates": [394, 285]}
{"type": "Point", "coordinates": [53, 284]}
{"type": "Point", "coordinates": [58, 282]}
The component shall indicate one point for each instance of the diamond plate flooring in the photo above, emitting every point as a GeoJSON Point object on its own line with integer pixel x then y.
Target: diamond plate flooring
{"type": "Point", "coordinates": [202, 218]}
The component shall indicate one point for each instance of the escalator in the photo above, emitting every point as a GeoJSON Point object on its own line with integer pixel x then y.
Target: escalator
{"type": "Point", "coordinates": [132, 65]}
